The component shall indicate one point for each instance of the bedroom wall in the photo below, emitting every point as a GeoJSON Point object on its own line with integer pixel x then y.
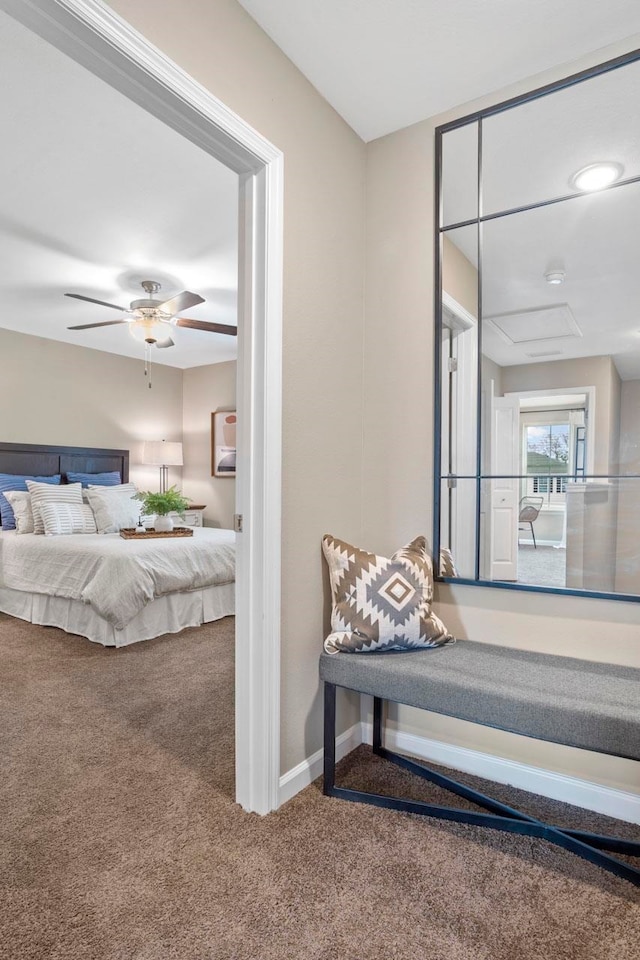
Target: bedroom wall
{"type": "Point", "coordinates": [205, 389]}
{"type": "Point", "coordinates": [598, 372]}
{"type": "Point", "coordinates": [324, 169]}
{"type": "Point", "coordinates": [62, 394]}
{"type": "Point", "coordinates": [397, 497]}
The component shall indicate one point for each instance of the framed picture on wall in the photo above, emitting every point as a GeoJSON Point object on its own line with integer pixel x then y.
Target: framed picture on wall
{"type": "Point", "coordinates": [223, 443]}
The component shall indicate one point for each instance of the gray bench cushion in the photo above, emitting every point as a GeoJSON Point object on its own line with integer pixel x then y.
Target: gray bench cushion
{"type": "Point", "coordinates": [595, 706]}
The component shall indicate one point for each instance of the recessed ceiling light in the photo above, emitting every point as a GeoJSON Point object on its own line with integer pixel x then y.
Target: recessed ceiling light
{"type": "Point", "coordinates": [596, 176]}
{"type": "Point", "coordinates": [554, 276]}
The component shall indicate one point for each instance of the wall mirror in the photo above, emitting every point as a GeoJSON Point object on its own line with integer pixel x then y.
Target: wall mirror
{"type": "Point", "coordinates": [538, 339]}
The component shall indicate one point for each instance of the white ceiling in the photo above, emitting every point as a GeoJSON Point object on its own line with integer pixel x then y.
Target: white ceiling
{"type": "Point", "coordinates": [384, 64]}
{"type": "Point", "coordinates": [99, 195]}
{"type": "Point", "coordinates": [529, 155]}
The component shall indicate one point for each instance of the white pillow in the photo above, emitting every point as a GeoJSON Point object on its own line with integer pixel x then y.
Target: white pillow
{"type": "Point", "coordinates": [66, 518]}
{"type": "Point", "coordinates": [114, 487]}
{"type": "Point", "coordinates": [51, 493]}
{"type": "Point", "coordinates": [114, 507]}
{"type": "Point", "coordinates": [20, 501]}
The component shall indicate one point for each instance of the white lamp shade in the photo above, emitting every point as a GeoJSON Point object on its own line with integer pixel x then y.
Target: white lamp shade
{"type": "Point", "coordinates": [162, 453]}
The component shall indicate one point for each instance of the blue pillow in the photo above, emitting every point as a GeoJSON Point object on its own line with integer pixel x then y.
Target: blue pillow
{"type": "Point", "coordinates": [13, 481]}
{"type": "Point", "coordinates": [111, 479]}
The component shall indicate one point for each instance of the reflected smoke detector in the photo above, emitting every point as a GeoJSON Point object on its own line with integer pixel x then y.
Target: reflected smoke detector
{"type": "Point", "coordinates": [555, 276]}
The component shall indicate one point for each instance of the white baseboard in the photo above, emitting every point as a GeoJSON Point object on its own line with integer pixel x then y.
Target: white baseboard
{"type": "Point", "coordinates": [558, 786]}
{"type": "Point", "coordinates": [523, 541]}
{"type": "Point", "coordinates": [299, 777]}
{"type": "Point", "coordinates": [548, 783]}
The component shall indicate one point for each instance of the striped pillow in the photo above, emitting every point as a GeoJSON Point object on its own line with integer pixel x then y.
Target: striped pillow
{"type": "Point", "coordinates": [66, 518]}
{"type": "Point", "coordinates": [109, 479]}
{"type": "Point", "coordinates": [14, 481]}
{"type": "Point", "coordinates": [45, 493]}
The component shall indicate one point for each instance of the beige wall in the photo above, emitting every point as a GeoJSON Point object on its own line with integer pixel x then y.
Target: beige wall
{"type": "Point", "coordinates": [630, 427]}
{"type": "Point", "coordinates": [398, 494]}
{"type": "Point", "coordinates": [222, 47]}
{"type": "Point", "coordinates": [628, 561]}
{"type": "Point", "coordinates": [57, 393]}
{"type": "Point", "coordinates": [205, 389]}
{"type": "Point", "coordinates": [598, 372]}
{"type": "Point", "coordinates": [459, 277]}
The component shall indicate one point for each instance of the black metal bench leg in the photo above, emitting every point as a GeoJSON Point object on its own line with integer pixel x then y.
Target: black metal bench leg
{"type": "Point", "coordinates": [329, 739]}
{"type": "Point", "coordinates": [377, 724]}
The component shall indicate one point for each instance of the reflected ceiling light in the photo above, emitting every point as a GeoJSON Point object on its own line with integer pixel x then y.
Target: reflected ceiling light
{"type": "Point", "coordinates": [554, 276]}
{"type": "Point", "coordinates": [596, 176]}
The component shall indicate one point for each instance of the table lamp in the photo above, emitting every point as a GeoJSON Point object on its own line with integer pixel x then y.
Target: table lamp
{"type": "Point", "coordinates": [163, 454]}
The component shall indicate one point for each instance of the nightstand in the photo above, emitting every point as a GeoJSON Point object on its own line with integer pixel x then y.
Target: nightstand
{"type": "Point", "coordinates": [193, 516]}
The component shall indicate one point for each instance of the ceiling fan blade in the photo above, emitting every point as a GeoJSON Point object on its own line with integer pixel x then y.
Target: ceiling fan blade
{"type": "Point", "coordinates": [165, 343]}
{"type": "Point", "coordinates": [103, 303]}
{"type": "Point", "coordinates": [105, 323]}
{"type": "Point", "coordinates": [181, 301]}
{"type": "Point", "coordinates": [209, 327]}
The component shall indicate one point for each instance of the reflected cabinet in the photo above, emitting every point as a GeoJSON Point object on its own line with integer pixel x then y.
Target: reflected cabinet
{"type": "Point", "coordinates": [538, 339]}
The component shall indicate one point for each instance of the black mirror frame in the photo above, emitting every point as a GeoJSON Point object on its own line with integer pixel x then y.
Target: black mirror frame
{"type": "Point", "coordinates": [439, 232]}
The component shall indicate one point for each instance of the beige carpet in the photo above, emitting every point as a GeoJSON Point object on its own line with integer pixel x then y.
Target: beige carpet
{"type": "Point", "coordinates": [119, 838]}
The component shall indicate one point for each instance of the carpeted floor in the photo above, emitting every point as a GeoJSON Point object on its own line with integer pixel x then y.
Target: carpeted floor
{"type": "Point", "coordinates": [544, 566]}
{"type": "Point", "coordinates": [119, 838]}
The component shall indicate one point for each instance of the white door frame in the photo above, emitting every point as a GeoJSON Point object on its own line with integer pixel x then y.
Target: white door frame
{"type": "Point", "coordinates": [505, 455]}
{"type": "Point", "coordinates": [590, 393]}
{"type": "Point", "coordinates": [464, 432]}
{"type": "Point", "coordinates": [96, 37]}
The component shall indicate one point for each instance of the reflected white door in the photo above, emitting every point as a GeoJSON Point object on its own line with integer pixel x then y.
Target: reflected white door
{"type": "Point", "coordinates": [505, 464]}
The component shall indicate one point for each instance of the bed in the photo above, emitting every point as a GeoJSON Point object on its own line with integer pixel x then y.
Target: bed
{"type": "Point", "coordinates": [100, 586]}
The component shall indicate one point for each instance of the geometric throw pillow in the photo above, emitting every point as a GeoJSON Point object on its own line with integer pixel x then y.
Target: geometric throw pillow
{"type": "Point", "coordinates": [67, 518]}
{"type": "Point", "coordinates": [380, 603]}
{"type": "Point", "coordinates": [447, 566]}
{"type": "Point", "coordinates": [47, 493]}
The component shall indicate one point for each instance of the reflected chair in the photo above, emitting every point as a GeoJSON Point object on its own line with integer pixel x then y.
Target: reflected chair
{"type": "Point", "coordinates": [529, 509]}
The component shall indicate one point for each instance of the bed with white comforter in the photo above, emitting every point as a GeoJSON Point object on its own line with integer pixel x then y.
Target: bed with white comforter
{"type": "Point", "coordinates": [117, 591]}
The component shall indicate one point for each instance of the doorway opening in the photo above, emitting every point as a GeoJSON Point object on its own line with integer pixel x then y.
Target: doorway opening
{"type": "Point", "coordinates": [97, 39]}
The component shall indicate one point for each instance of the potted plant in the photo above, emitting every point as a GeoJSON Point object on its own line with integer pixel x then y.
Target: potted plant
{"type": "Point", "coordinates": [161, 505]}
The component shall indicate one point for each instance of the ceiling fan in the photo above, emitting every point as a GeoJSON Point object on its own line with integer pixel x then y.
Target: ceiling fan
{"type": "Point", "coordinates": [150, 320]}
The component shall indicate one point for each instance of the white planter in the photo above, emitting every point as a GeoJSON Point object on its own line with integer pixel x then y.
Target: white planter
{"type": "Point", "coordinates": [163, 524]}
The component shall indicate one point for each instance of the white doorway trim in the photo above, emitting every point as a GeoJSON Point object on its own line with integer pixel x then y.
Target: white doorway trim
{"type": "Point", "coordinates": [96, 37]}
{"type": "Point", "coordinates": [590, 393]}
{"type": "Point", "coordinates": [462, 416]}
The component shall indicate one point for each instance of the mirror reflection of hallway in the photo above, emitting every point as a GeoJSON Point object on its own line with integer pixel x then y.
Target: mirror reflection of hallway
{"type": "Point", "coordinates": [545, 492]}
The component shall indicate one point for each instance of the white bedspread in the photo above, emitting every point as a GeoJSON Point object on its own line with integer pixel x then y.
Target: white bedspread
{"type": "Point", "coordinates": [116, 577]}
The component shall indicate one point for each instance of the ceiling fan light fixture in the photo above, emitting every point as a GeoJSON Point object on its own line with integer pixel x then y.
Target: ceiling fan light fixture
{"type": "Point", "coordinates": [148, 330]}
{"type": "Point", "coordinates": [596, 176]}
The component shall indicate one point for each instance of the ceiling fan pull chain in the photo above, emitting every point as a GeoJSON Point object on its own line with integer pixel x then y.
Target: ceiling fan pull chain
{"type": "Point", "coordinates": [147, 363]}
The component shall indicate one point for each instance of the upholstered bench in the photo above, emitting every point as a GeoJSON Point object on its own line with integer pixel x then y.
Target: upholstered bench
{"type": "Point", "coordinates": [594, 706]}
